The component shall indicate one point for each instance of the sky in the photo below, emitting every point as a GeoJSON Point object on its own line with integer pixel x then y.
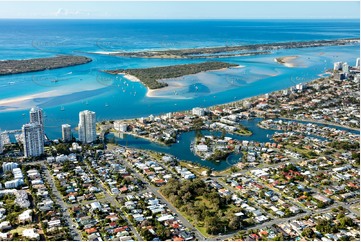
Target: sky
{"type": "Point", "coordinates": [180, 10]}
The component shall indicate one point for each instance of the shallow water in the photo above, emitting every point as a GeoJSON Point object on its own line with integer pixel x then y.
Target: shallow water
{"type": "Point", "coordinates": [113, 97]}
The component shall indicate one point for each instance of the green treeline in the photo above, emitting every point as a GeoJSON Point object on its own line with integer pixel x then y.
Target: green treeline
{"type": "Point", "coordinates": [202, 205]}
{"type": "Point", "coordinates": [150, 76]}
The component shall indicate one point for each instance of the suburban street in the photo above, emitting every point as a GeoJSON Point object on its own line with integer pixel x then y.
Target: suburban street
{"type": "Point", "coordinates": [115, 203]}
{"type": "Point", "coordinates": [59, 200]}
{"type": "Point", "coordinates": [155, 191]}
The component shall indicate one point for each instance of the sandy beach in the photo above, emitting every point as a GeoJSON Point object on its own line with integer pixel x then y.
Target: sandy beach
{"type": "Point", "coordinates": [29, 100]}
{"type": "Point", "coordinates": [150, 93]}
{"type": "Point", "coordinates": [129, 77]}
{"type": "Point", "coordinates": [106, 52]}
{"type": "Point", "coordinates": [158, 93]}
{"type": "Point", "coordinates": [174, 85]}
{"type": "Point", "coordinates": [287, 61]}
{"type": "Point", "coordinates": [23, 102]}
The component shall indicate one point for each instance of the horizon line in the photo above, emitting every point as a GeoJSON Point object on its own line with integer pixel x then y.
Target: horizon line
{"type": "Point", "coordinates": [180, 19]}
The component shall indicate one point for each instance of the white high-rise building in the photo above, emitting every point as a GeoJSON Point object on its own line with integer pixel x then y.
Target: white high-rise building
{"type": "Point", "coordinates": [14, 183]}
{"type": "Point", "coordinates": [345, 68]}
{"type": "Point", "coordinates": [285, 92]}
{"type": "Point", "coordinates": [87, 127]}
{"type": "Point", "coordinates": [120, 126]}
{"type": "Point", "coordinates": [1, 144]}
{"type": "Point", "coordinates": [36, 116]}
{"type": "Point", "coordinates": [33, 139]}
{"type": "Point", "coordinates": [300, 87]}
{"type": "Point", "coordinates": [18, 174]}
{"type": "Point", "coordinates": [198, 111]}
{"type": "Point", "coordinates": [246, 104]}
{"type": "Point", "coordinates": [358, 62]}
{"type": "Point", "coordinates": [337, 65]}
{"type": "Point", "coordinates": [66, 132]}
{"type": "Point", "coordinates": [9, 166]}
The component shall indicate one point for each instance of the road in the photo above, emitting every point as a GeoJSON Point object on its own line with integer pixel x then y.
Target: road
{"type": "Point", "coordinates": [155, 191]}
{"type": "Point", "coordinates": [114, 202]}
{"type": "Point", "coordinates": [59, 200]}
{"type": "Point", "coordinates": [278, 221]}
{"type": "Point", "coordinates": [235, 192]}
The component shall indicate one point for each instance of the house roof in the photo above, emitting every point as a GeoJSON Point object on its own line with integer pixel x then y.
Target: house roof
{"type": "Point", "coordinates": [178, 239]}
{"type": "Point", "coordinates": [91, 230]}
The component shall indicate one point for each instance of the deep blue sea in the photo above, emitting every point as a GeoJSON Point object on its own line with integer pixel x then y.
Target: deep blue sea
{"type": "Point", "coordinates": [114, 97]}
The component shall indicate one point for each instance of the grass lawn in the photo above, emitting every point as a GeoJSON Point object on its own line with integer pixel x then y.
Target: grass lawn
{"type": "Point", "coordinates": [154, 155]}
{"type": "Point", "coordinates": [201, 229]}
{"type": "Point", "coordinates": [99, 195]}
{"type": "Point", "coordinates": [193, 168]}
{"type": "Point", "coordinates": [356, 207]}
{"type": "Point", "coordinates": [301, 151]}
{"type": "Point", "coordinates": [229, 171]}
{"type": "Point", "coordinates": [244, 132]}
{"type": "Point", "coordinates": [19, 230]}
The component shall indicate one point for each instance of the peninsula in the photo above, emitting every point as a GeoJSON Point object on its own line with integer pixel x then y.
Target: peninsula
{"type": "Point", "coordinates": [8, 67]}
{"type": "Point", "coordinates": [229, 51]}
{"type": "Point", "coordinates": [151, 77]}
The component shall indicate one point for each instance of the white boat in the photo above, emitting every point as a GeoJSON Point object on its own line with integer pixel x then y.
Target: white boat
{"type": "Point", "coordinates": [62, 108]}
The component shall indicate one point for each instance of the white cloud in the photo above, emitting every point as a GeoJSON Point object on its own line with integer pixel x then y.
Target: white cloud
{"type": "Point", "coordinates": [71, 13]}
{"type": "Point", "coordinates": [60, 12]}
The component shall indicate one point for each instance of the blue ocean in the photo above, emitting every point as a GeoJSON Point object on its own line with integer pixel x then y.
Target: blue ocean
{"type": "Point", "coordinates": [115, 97]}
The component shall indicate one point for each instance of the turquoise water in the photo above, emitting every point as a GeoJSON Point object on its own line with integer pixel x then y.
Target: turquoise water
{"type": "Point", "coordinates": [113, 97]}
{"type": "Point", "coordinates": [182, 151]}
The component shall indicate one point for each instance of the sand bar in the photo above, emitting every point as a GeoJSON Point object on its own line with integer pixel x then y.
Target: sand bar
{"type": "Point", "coordinates": [288, 61]}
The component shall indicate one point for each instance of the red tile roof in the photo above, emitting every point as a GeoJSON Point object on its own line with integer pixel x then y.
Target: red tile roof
{"type": "Point", "coordinates": [91, 230]}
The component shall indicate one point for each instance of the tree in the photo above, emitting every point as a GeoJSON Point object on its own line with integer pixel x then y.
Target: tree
{"type": "Point", "coordinates": [62, 149]}
{"type": "Point", "coordinates": [223, 133]}
{"type": "Point", "coordinates": [146, 234]}
{"type": "Point", "coordinates": [209, 172]}
{"type": "Point", "coordinates": [213, 225]}
{"type": "Point", "coordinates": [325, 226]}
{"type": "Point", "coordinates": [187, 197]}
{"type": "Point", "coordinates": [198, 134]}
{"type": "Point", "coordinates": [345, 221]}
{"type": "Point", "coordinates": [234, 169]}
{"type": "Point", "coordinates": [279, 237]}
{"type": "Point", "coordinates": [234, 223]}
{"type": "Point", "coordinates": [308, 232]}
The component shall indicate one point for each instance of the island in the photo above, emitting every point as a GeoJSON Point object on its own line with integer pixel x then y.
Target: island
{"type": "Point", "coordinates": [230, 51]}
{"type": "Point", "coordinates": [211, 148]}
{"type": "Point", "coordinates": [151, 77]}
{"type": "Point", "coordinates": [286, 60]}
{"type": "Point", "coordinates": [8, 67]}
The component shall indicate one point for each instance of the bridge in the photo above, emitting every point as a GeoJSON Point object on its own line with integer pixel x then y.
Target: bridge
{"type": "Point", "coordinates": [15, 131]}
